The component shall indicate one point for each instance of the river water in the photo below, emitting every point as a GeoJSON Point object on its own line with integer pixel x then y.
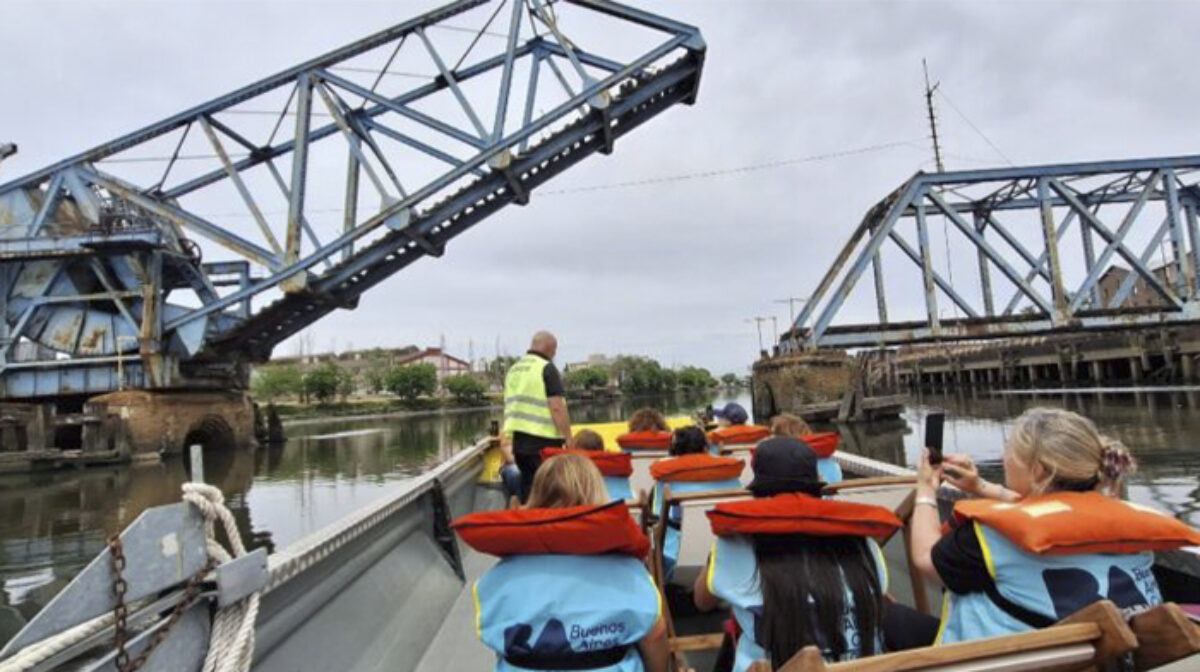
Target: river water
{"type": "Point", "coordinates": [52, 524]}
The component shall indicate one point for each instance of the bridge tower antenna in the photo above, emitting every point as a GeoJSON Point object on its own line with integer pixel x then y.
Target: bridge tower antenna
{"type": "Point", "coordinates": [933, 129]}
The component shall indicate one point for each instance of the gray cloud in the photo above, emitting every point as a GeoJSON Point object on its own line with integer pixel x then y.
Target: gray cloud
{"type": "Point", "coordinates": [671, 270]}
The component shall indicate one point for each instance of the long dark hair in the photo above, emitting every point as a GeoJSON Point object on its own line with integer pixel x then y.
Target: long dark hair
{"type": "Point", "coordinates": [804, 580]}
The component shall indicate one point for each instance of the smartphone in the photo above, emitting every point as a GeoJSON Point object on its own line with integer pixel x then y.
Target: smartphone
{"type": "Point", "coordinates": [934, 423]}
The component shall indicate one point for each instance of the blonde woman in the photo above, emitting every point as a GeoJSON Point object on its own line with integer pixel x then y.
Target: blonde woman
{"type": "Point", "coordinates": [570, 592]}
{"type": "Point", "coordinates": [1050, 541]}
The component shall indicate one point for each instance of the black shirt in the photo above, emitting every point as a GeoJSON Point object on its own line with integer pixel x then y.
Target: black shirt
{"type": "Point", "coordinates": [958, 559]}
{"type": "Point", "coordinates": [528, 443]}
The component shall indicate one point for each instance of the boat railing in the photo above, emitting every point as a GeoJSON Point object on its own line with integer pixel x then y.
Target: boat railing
{"type": "Point", "coordinates": [301, 554]}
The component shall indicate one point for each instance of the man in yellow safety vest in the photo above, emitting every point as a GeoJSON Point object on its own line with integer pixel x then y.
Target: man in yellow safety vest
{"type": "Point", "coordinates": [535, 409]}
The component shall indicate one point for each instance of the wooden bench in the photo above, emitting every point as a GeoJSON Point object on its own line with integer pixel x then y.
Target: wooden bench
{"type": "Point", "coordinates": [1093, 636]}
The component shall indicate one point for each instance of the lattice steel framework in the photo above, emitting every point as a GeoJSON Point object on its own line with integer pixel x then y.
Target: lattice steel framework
{"type": "Point", "coordinates": [1038, 249]}
{"type": "Point", "coordinates": [103, 256]}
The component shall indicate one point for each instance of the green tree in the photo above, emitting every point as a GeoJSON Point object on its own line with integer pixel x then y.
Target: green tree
{"type": "Point", "coordinates": [412, 380]}
{"type": "Point", "coordinates": [324, 382]}
{"type": "Point", "coordinates": [731, 380]}
{"type": "Point", "coordinates": [273, 382]}
{"type": "Point", "coordinates": [585, 378]}
{"type": "Point", "coordinates": [465, 388]}
{"type": "Point", "coordinates": [695, 378]}
{"type": "Point", "coordinates": [641, 375]}
{"type": "Point", "coordinates": [375, 373]}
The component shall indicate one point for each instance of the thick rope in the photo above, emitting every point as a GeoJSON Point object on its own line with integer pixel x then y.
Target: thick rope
{"type": "Point", "coordinates": [231, 643]}
{"type": "Point", "coordinates": [35, 654]}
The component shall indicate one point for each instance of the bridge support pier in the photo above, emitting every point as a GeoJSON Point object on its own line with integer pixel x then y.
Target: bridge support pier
{"type": "Point", "coordinates": [166, 422]}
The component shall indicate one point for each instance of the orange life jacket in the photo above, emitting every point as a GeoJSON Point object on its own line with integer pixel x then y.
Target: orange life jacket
{"type": "Point", "coordinates": [646, 440]}
{"type": "Point", "coordinates": [737, 434]}
{"type": "Point", "coordinates": [823, 443]}
{"type": "Point", "coordinates": [609, 464]}
{"type": "Point", "coordinates": [575, 530]}
{"type": "Point", "coordinates": [697, 467]}
{"type": "Point", "coordinates": [1068, 523]}
{"type": "Point", "coordinates": [795, 513]}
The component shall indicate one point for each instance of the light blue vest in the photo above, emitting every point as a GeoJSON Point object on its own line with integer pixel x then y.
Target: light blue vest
{"type": "Point", "coordinates": [1053, 586]}
{"type": "Point", "coordinates": [675, 515]}
{"type": "Point", "coordinates": [618, 488]}
{"type": "Point", "coordinates": [733, 577]}
{"type": "Point", "coordinates": [554, 604]}
{"type": "Point", "coordinates": [828, 470]}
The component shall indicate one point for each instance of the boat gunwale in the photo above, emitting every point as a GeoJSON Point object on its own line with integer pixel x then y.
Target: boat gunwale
{"type": "Point", "coordinates": [303, 553]}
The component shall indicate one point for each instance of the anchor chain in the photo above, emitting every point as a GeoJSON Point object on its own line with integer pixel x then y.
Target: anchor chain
{"type": "Point", "coordinates": [121, 611]}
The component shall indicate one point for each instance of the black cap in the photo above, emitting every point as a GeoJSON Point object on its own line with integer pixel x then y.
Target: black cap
{"type": "Point", "coordinates": [783, 464]}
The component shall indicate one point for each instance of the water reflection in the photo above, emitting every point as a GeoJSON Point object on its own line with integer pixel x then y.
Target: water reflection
{"type": "Point", "coordinates": [53, 524]}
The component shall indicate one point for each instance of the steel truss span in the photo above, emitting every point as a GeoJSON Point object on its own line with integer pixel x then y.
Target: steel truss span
{"type": "Point", "coordinates": [1058, 248]}
{"type": "Point", "coordinates": [177, 254]}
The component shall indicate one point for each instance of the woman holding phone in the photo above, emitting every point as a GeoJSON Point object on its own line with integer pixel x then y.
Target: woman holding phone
{"type": "Point", "coordinates": [1052, 540]}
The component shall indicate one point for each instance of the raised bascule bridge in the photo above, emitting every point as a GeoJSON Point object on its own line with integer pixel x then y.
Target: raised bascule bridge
{"type": "Point", "coordinates": [1078, 273]}
{"type": "Point", "coordinates": [140, 280]}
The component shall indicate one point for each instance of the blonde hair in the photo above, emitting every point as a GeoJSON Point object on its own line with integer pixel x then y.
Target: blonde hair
{"type": "Point", "coordinates": [567, 480]}
{"type": "Point", "coordinates": [646, 420]}
{"type": "Point", "coordinates": [1070, 450]}
{"type": "Point", "coordinates": [786, 424]}
{"type": "Point", "coordinates": [586, 439]}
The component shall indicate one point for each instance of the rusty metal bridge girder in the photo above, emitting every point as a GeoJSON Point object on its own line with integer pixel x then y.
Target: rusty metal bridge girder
{"type": "Point", "coordinates": [445, 124]}
{"type": "Point", "coordinates": [1056, 248]}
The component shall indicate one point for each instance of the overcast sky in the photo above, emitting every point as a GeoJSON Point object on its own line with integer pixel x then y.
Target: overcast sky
{"type": "Point", "coordinates": [671, 270]}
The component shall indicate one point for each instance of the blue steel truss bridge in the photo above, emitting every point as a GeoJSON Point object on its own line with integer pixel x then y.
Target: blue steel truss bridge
{"type": "Point", "coordinates": [177, 255]}
{"type": "Point", "coordinates": [985, 254]}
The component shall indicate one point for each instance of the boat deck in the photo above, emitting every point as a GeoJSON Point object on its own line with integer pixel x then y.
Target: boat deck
{"type": "Point", "coordinates": [456, 646]}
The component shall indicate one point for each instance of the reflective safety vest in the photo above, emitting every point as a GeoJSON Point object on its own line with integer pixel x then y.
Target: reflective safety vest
{"type": "Point", "coordinates": [526, 407]}
{"type": "Point", "coordinates": [733, 568]}
{"type": "Point", "coordinates": [698, 472]}
{"type": "Point", "coordinates": [1052, 555]}
{"type": "Point", "coordinates": [570, 592]}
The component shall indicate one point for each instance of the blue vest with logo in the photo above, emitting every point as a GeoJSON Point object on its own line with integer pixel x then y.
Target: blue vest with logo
{"type": "Point", "coordinates": [733, 576]}
{"type": "Point", "coordinates": [828, 470]}
{"type": "Point", "coordinates": [671, 540]}
{"type": "Point", "coordinates": [1051, 586]}
{"type": "Point", "coordinates": [618, 488]}
{"type": "Point", "coordinates": [566, 604]}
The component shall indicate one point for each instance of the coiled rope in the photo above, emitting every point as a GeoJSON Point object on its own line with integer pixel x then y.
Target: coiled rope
{"type": "Point", "coordinates": [231, 644]}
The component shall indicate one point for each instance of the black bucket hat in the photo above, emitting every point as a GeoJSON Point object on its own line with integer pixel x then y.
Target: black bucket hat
{"type": "Point", "coordinates": [783, 464]}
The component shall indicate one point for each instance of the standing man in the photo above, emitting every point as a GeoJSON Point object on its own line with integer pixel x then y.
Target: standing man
{"type": "Point", "coordinates": [535, 410]}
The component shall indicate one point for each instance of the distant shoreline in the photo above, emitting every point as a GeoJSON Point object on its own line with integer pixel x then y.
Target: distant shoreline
{"type": "Point", "coordinates": [416, 413]}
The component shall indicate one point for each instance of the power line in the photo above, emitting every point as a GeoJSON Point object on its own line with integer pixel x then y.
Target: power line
{"type": "Point", "coordinates": [703, 174]}
{"type": "Point", "coordinates": [942, 93]}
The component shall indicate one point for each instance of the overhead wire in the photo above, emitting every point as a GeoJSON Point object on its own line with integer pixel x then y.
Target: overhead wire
{"type": "Point", "coordinates": [679, 177]}
{"type": "Point", "coordinates": [942, 93]}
